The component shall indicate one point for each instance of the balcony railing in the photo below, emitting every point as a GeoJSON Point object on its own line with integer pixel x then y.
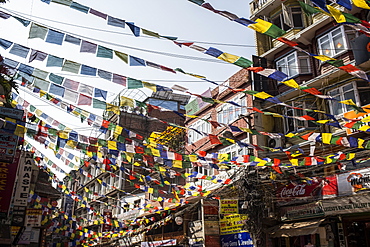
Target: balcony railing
{"type": "Point", "coordinates": [257, 5]}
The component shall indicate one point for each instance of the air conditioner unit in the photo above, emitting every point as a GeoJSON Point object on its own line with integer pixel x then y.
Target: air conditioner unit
{"type": "Point", "coordinates": [275, 142]}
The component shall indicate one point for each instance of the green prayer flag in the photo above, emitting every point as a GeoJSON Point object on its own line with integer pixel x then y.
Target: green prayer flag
{"type": "Point", "coordinates": [243, 62]}
{"type": "Point", "coordinates": [63, 2]}
{"type": "Point", "coordinates": [104, 52]}
{"type": "Point", "coordinates": [98, 104]}
{"type": "Point", "coordinates": [71, 66]}
{"type": "Point", "coordinates": [37, 31]}
{"type": "Point", "coordinates": [199, 2]}
{"type": "Point", "coordinates": [308, 9]}
{"type": "Point", "coordinates": [133, 83]}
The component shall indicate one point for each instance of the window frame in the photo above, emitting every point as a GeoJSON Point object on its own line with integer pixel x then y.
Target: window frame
{"type": "Point", "coordinates": [290, 13]}
{"type": "Point", "coordinates": [201, 126]}
{"type": "Point", "coordinates": [341, 94]}
{"type": "Point", "coordinates": [329, 38]}
{"type": "Point", "coordinates": [297, 124]}
{"type": "Point", "coordinates": [228, 113]}
{"type": "Point", "coordinates": [298, 57]}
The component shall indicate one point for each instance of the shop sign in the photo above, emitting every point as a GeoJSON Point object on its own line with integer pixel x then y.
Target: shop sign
{"type": "Point", "coordinates": [8, 144]}
{"type": "Point", "coordinates": [24, 179]}
{"type": "Point", "coordinates": [35, 235]}
{"type": "Point", "coordinates": [19, 215]}
{"type": "Point", "coordinates": [107, 213]}
{"type": "Point", "coordinates": [212, 240]}
{"type": "Point", "coordinates": [8, 173]}
{"type": "Point", "coordinates": [167, 242]}
{"type": "Point", "coordinates": [11, 113]}
{"type": "Point", "coordinates": [242, 239]}
{"type": "Point", "coordinates": [229, 206]}
{"type": "Point", "coordinates": [33, 217]}
{"type": "Point", "coordinates": [130, 215]}
{"type": "Point", "coordinates": [305, 211]}
{"type": "Point", "coordinates": [233, 223]}
{"type": "Point", "coordinates": [293, 191]}
{"type": "Point", "coordinates": [353, 204]}
{"type": "Point", "coordinates": [196, 229]}
{"type": "Point", "coordinates": [353, 182]}
{"type": "Point", "coordinates": [211, 227]}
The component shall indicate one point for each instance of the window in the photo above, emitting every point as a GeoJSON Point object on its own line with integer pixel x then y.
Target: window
{"type": "Point", "coordinates": [358, 91]}
{"type": "Point", "coordinates": [228, 113]}
{"type": "Point", "coordinates": [290, 19]}
{"type": "Point", "coordinates": [293, 123]}
{"type": "Point", "coordinates": [336, 41]}
{"type": "Point", "coordinates": [293, 64]}
{"type": "Point", "coordinates": [198, 128]}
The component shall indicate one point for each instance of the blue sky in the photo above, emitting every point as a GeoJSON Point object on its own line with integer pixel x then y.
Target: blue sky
{"type": "Point", "coordinates": [179, 18]}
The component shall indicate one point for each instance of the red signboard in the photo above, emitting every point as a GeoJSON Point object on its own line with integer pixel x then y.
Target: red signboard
{"type": "Point", "coordinates": [107, 216]}
{"type": "Point", "coordinates": [293, 191]}
{"type": "Point", "coordinates": [8, 172]}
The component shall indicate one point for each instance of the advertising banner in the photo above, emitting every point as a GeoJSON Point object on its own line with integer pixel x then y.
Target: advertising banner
{"type": "Point", "coordinates": [8, 144]}
{"type": "Point", "coordinates": [8, 173]}
{"type": "Point", "coordinates": [24, 179]}
{"type": "Point", "coordinates": [299, 191]}
{"type": "Point", "coordinates": [233, 223]}
{"type": "Point", "coordinates": [229, 206]}
{"type": "Point", "coordinates": [242, 239]}
{"type": "Point", "coordinates": [354, 182]}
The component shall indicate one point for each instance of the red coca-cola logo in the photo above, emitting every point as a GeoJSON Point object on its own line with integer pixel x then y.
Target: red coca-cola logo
{"type": "Point", "coordinates": [298, 190]}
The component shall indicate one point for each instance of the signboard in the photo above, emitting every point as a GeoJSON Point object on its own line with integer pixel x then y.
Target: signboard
{"type": "Point", "coordinates": [107, 216]}
{"type": "Point", "coordinates": [242, 239]}
{"type": "Point", "coordinates": [297, 191]}
{"type": "Point", "coordinates": [346, 205]}
{"type": "Point", "coordinates": [33, 217]}
{"type": "Point", "coordinates": [8, 144]}
{"type": "Point", "coordinates": [353, 182]}
{"type": "Point", "coordinates": [19, 215]}
{"type": "Point", "coordinates": [130, 215]}
{"type": "Point", "coordinates": [306, 211]}
{"type": "Point", "coordinates": [11, 113]}
{"type": "Point", "coordinates": [24, 179]}
{"type": "Point", "coordinates": [196, 229]}
{"type": "Point", "coordinates": [168, 242]}
{"type": "Point", "coordinates": [8, 172]}
{"type": "Point", "coordinates": [229, 206]}
{"type": "Point", "coordinates": [212, 240]}
{"type": "Point", "coordinates": [233, 223]}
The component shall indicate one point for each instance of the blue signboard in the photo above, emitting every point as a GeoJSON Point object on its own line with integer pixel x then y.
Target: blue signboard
{"type": "Point", "coordinates": [242, 239]}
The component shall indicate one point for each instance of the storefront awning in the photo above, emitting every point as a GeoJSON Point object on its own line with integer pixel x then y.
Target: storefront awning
{"type": "Point", "coordinates": [295, 228]}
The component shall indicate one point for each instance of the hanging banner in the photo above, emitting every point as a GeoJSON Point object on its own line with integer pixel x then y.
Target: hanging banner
{"type": "Point", "coordinates": [354, 182]}
{"type": "Point", "coordinates": [8, 172]}
{"type": "Point", "coordinates": [24, 179]}
{"type": "Point", "coordinates": [8, 144]}
{"type": "Point", "coordinates": [229, 206]}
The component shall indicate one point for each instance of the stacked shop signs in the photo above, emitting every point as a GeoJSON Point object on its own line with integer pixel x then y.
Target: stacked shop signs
{"type": "Point", "coordinates": [232, 225]}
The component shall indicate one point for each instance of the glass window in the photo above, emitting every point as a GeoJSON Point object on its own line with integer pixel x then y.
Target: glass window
{"type": "Point", "coordinates": [294, 63]}
{"type": "Point", "coordinates": [293, 123]}
{"type": "Point", "coordinates": [335, 42]}
{"type": "Point", "coordinates": [295, 16]}
{"type": "Point", "coordinates": [346, 92]}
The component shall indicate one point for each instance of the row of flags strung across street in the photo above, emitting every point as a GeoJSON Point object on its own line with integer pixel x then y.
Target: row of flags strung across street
{"type": "Point", "coordinates": [275, 32]}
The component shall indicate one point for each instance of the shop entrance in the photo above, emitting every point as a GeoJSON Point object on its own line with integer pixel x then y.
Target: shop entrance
{"type": "Point", "coordinates": [358, 233]}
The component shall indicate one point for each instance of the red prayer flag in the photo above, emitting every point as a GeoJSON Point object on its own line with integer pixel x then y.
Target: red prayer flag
{"type": "Point", "coordinates": [348, 68]}
{"type": "Point", "coordinates": [84, 100]}
{"type": "Point", "coordinates": [214, 139]}
{"type": "Point", "coordinates": [308, 117]}
{"type": "Point", "coordinates": [312, 90]}
{"type": "Point", "coordinates": [287, 41]}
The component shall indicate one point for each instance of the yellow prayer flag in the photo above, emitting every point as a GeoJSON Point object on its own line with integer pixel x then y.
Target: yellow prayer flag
{"type": "Point", "coordinates": [360, 143]}
{"type": "Point", "coordinates": [118, 130]}
{"type": "Point", "coordinates": [193, 158]}
{"type": "Point", "coordinates": [155, 152]}
{"type": "Point", "coordinates": [151, 86]}
{"type": "Point", "coordinates": [326, 137]}
{"type": "Point", "coordinates": [361, 4]}
{"type": "Point", "coordinates": [126, 102]}
{"type": "Point", "coordinates": [20, 130]}
{"type": "Point", "coordinates": [291, 83]}
{"type": "Point", "coordinates": [150, 190]}
{"type": "Point", "coordinates": [348, 102]}
{"type": "Point", "coordinates": [228, 57]}
{"type": "Point", "coordinates": [112, 145]}
{"type": "Point", "coordinates": [177, 163]}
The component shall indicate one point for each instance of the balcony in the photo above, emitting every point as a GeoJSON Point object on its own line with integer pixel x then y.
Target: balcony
{"type": "Point", "coordinates": [262, 7]}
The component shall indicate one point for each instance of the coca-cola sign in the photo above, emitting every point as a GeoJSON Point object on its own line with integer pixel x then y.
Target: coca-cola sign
{"type": "Point", "coordinates": [292, 191]}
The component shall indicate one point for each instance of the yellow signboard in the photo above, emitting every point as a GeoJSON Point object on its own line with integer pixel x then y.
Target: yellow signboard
{"type": "Point", "coordinates": [233, 223]}
{"type": "Point", "coordinates": [229, 206]}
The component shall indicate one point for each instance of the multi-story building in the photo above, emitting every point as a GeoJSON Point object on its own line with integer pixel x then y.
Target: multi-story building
{"type": "Point", "coordinates": [111, 181]}
{"type": "Point", "coordinates": [311, 217]}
